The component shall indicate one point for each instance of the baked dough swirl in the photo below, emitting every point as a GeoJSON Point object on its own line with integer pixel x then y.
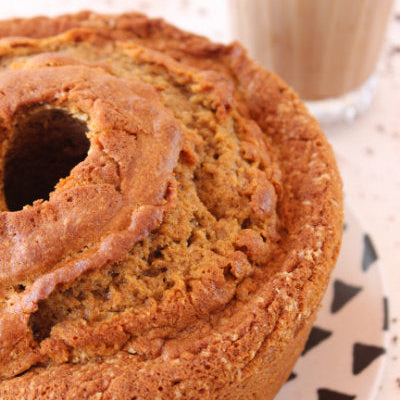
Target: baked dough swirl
{"type": "Point", "coordinates": [186, 256]}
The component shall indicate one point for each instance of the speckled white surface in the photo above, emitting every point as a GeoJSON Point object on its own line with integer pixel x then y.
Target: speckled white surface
{"type": "Point", "coordinates": [368, 151]}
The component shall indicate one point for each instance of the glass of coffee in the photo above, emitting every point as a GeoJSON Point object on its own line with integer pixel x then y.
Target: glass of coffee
{"type": "Point", "coordinates": [327, 50]}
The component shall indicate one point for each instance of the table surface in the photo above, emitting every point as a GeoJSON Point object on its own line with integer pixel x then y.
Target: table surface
{"type": "Point", "coordinates": [368, 150]}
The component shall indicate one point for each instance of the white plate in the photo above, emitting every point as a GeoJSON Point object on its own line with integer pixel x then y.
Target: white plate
{"type": "Point", "coordinates": [346, 352]}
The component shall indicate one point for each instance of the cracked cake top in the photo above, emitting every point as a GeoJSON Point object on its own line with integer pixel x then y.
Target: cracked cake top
{"type": "Point", "coordinates": [189, 237]}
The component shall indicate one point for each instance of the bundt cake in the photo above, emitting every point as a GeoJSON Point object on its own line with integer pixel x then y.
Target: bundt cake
{"type": "Point", "coordinates": [170, 214]}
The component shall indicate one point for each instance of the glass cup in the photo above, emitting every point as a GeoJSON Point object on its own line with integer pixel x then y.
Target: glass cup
{"type": "Point", "coordinates": [327, 50]}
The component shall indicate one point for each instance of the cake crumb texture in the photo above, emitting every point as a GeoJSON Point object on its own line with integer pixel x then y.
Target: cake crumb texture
{"type": "Point", "coordinates": [186, 247]}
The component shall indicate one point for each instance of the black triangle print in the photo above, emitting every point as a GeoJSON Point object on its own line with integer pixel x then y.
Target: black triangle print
{"type": "Point", "coordinates": [385, 314]}
{"type": "Point", "coordinates": [343, 293]}
{"type": "Point", "coordinates": [292, 376]}
{"type": "Point", "coordinates": [363, 355]}
{"type": "Point", "coordinates": [317, 336]}
{"type": "Point", "coordinates": [369, 253]}
{"type": "Point", "coordinates": [326, 394]}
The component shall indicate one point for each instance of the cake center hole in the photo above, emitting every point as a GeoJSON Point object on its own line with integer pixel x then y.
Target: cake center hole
{"type": "Point", "coordinates": [44, 148]}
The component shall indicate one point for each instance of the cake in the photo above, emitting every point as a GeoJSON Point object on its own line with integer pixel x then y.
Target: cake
{"type": "Point", "coordinates": [170, 214]}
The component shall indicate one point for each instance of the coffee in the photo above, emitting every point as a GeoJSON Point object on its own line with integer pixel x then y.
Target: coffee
{"type": "Point", "coordinates": [323, 48]}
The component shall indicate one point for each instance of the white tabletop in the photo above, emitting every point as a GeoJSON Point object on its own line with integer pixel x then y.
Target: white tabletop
{"type": "Point", "coordinates": [368, 151]}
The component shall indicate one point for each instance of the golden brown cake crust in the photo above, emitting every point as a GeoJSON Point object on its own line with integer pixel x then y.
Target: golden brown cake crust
{"type": "Point", "coordinates": [187, 255]}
